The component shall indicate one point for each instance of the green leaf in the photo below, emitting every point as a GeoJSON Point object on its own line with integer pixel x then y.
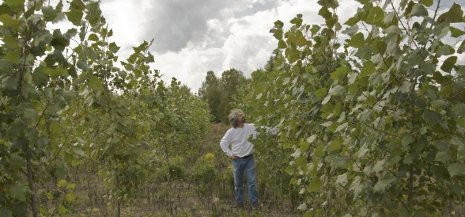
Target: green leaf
{"type": "Point", "coordinates": [426, 3]}
{"type": "Point", "coordinates": [304, 147]}
{"type": "Point", "coordinates": [340, 73]}
{"type": "Point", "coordinates": [431, 117]}
{"type": "Point", "coordinates": [456, 32]}
{"type": "Point", "coordinates": [314, 185]}
{"type": "Point", "coordinates": [336, 90]}
{"type": "Point", "coordinates": [445, 50]}
{"type": "Point", "coordinates": [328, 3]}
{"type": "Point", "coordinates": [352, 21]}
{"type": "Point", "coordinates": [13, 56]}
{"type": "Point", "coordinates": [407, 140]}
{"type": "Point", "coordinates": [19, 192]}
{"type": "Point", "coordinates": [62, 183]}
{"type": "Point", "coordinates": [62, 210]}
{"type": "Point", "coordinates": [390, 19]}
{"type": "Point", "coordinates": [302, 206]}
{"type": "Point", "coordinates": [460, 152]}
{"type": "Point", "coordinates": [368, 68]}
{"type": "Point", "coordinates": [341, 127]}
{"type": "Point", "coordinates": [449, 63]}
{"type": "Point", "coordinates": [454, 15]}
{"type": "Point", "coordinates": [419, 11]}
{"type": "Point", "coordinates": [335, 145]}
{"type": "Point", "coordinates": [357, 185]}
{"type": "Point", "coordinates": [9, 21]}
{"type": "Point", "coordinates": [278, 24]}
{"type": "Point", "coordinates": [297, 21]}
{"type": "Point", "coordinates": [59, 71]}
{"type": "Point", "coordinates": [5, 65]}
{"type": "Point", "coordinates": [17, 162]}
{"type": "Point", "coordinates": [351, 30]}
{"type": "Point", "coordinates": [29, 114]}
{"type": "Point", "coordinates": [75, 16]}
{"type": "Point", "coordinates": [324, 12]}
{"type": "Point", "coordinates": [300, 40]}
{"type": "Point", "coordinates": [342, 179]}
{"type": "Point", "coordinates": [459, 109]}
{"type": "Point", "coordinates": [379, 166]}
{"type": "Point", "coordinates": [292, 54]}
{"type": "Point", "coordinates": [363, 2]}
{"type": "Point", "coordinates": [438, 77]}
{"type": "Point", "coordinates": [95, 83]}
{"type": "Point", "coordinates": [93, 37]}
{"type": "Point", "coordinates": [321, 93]}
{"type": "Point", "coordinates": [382, 184]}
{"type": "Point", "coordinates": [357, 40]}
{"type": "Point", "coordinates": [59, 42]}
{"type": "Point", "coordinates": [149, 58]}
{"type": "Point", "coordinates": [443, 156]}
{"type": "Point", "coordinates": [375, 16]}
{"type": "Point", "coordinates": [319, 151]}
{"type": "Point", "coordinates": [113, 47]}
{"type": "Point", "coordinates": [315, 29]}
{"type": "Point", "coordinates": [82, 65]}
{"type": "Point", "coordinates": [301, 162]}
{"type": "Point", "coordinates": [70, 197]}
{"type": "Point", "coordinates": [456, 169]}
{"type": "Point", "coordinates": [94, 14]}
{"type": "Point", "coordinates": [71, 186]}
{"type": "Point", "coordinates": [49, 13]}
{"type": "Point", "coordinates": [442, 30]}
{"type": "Point", "coordinates": [39, 77]}
{"type": "Point", "coordinates": [78, 4]}
{"type": "Point", "coordinates": [282, 44]}
{"type": "Point", "coordinates": [337, 161]}
{"type": "Point", "coordinates": [311, 139]}
{"type": "Point", "coordinates": [90, 53]}
{"type": "Point", "coordinates": [55, 129]}
{"type": "Point", "coordinates": [15, 3]}
{"type": "Point", "coordinates": [80, 152]}
{"type": "Point", "coordinates": [461, 48]}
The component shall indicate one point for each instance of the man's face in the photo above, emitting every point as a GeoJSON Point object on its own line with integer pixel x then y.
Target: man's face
{"type": "Point", "coordinates": [240, 118]}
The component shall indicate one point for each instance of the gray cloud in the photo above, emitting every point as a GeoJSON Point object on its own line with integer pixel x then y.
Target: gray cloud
{"type": "Point", "coordinates": [175, 23]}
{"type": "Point", "coordinates": [193, 37]}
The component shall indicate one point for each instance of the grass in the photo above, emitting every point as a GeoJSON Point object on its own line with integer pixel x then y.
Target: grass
{"type": "Point", "coordinates": [181, 196]}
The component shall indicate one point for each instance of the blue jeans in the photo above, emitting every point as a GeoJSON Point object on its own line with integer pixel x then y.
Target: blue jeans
{"type": "Point", "coordinates": [247, 165]}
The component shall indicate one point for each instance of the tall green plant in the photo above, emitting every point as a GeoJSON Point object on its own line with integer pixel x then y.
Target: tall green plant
{"type": "Point", "coordinates": [66, 101]}
{"type": "Point", "coordinates": [375, 122]}
{"type": "Point", "coordinates": [35, 73]}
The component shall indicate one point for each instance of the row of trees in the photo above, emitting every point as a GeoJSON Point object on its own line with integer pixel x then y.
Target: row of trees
{"type": "Point", "coordinates": [371, 112]}
{"type": "Point", "coordinates": [68, 102]}
{"type": "Point", "coordinates": [223, 93]}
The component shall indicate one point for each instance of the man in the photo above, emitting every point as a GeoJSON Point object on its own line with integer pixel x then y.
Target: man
{"type": "Point", "coordinates": [240, 153]}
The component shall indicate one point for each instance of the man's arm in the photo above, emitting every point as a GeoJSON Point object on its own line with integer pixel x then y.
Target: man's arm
{"type": "Point", "coordinates": [224, 143]}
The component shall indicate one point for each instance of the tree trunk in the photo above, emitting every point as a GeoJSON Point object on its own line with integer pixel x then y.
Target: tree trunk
{"type": "Point", "coordinates": [30, 180]}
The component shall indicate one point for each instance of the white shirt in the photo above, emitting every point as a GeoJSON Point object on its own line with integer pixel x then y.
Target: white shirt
{"type": "Point", "coordinates": [238, 139]}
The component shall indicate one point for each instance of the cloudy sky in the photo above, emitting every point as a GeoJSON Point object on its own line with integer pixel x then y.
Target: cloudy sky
{"type": "Point", "coordinates": [192, 37]}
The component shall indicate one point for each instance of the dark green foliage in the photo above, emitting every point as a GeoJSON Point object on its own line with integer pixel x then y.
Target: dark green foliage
{"type": "Point", "coordinates": [367, 126]}
{"type": "Point", "coordinates": [211, 93]}
{"type": "Point", "coordinates": [65, 104]}
{"type": "Point", "coordinates": [223, 94]}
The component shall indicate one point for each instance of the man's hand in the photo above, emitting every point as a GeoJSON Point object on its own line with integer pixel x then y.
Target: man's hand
{"type": "Point", "coordinates": [233, 157]}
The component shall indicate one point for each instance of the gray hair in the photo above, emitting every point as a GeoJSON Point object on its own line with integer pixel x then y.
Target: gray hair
{"type": "Point", "coordinates": [233, 117]}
